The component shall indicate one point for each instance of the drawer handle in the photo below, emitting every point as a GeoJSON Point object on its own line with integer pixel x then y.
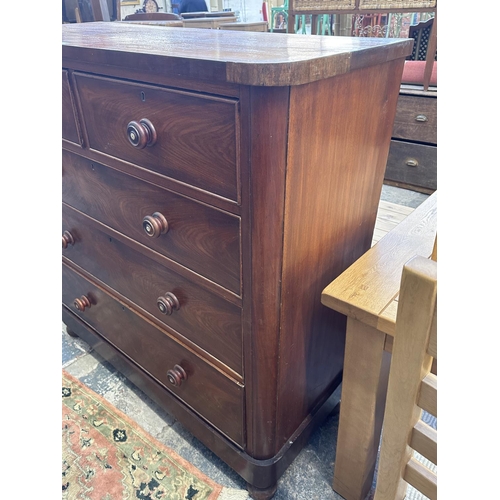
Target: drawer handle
{"type": "Point", "coordinates": [155, 225]}
{"type": "Point", "coordinates": [176, 375]}
{"type": "Point", "coordinates": [141, 134]}
{"type": "Point", "coordinates": [411, 162]}
{"type": "Point", "coordinates": [168, 303]}
{"type": "Point", "coordinates": [421, 118]}
{"type": "Point", "coordinates": [82, 303]}
{"type": "Point", "coordinates": [67, 239]}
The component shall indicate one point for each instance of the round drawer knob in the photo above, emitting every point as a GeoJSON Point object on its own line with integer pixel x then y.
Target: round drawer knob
{"type": "Point", "coordinates": [82, 303]}
{"type": "Point", "coordinates": [141, 134]}
{"type": "Point", "coordinates": [176, 375]}
{"type": "Point", "coordinates": [412, 162]}
{"type": "Point", "coordinates": [67, 239]}
{"type": "Point", "coordinates": [168, 303]}
{"type": "Point", "coordinates": [155, 225]}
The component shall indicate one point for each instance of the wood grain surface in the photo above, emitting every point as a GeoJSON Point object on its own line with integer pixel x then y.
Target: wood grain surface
{"type": "Point", "coordinates": [229, 56]}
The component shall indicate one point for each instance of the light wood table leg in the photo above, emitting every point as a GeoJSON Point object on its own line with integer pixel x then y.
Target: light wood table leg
{"type": "Point", "coordinates": [364, 389]}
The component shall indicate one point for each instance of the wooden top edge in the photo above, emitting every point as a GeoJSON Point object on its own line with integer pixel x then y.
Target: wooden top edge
{"type": "Point", "coordinates": [242, 57]}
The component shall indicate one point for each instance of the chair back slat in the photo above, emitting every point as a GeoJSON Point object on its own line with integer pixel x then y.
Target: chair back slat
{"type": "Point", "coordinates": [411, 388]}
{"type": "Point", "coordinates": [424, 441]}
{"type": "Point", "coordinates": [421, 478]}
{"type": "Point", "coordinates": [427, 399]}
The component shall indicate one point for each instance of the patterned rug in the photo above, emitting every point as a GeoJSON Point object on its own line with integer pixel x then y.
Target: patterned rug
{"type": "Point", "coordinates": [106, 456]}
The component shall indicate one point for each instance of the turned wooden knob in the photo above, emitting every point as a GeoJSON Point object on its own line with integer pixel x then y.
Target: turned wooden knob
{"type": "Point", "coordinates": [155, 225]}
{"type": "Point", "coordinates": [176, 375]}
{"type": "Point", "coordinates": [82, 303]}
{"type": "Point", "coordinates": [168, 303]}
{"type": "Point", "coordinates": [67, 239]}
{"type": "Point", "coordinates": [141, 134]}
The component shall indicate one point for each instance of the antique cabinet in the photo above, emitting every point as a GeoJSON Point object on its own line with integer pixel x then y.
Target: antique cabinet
{"type": "Point", "coordinates": [213, 183]}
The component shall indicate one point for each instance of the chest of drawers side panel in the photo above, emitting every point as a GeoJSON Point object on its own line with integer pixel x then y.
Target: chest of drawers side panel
{"type": "Point", "coordinates": [339, 135]}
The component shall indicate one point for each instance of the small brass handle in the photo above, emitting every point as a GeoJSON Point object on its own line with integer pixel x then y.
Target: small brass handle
{"type": "Point", "coordinates": [155, 225]}
{"type": "Point", "coordinates": [421, 118]}
{"type": "Point", "coordinates": [82, 303]}
{"type": "Point", "coordinates": [67, 239]}
{"type": "Point", "coordinates": [168, 303]}
{"type": "Point", "coordinates": [411, 162]}
{"type": "Point", "coordinates": [177, 375]}
{"type": "Point", "coordinates": [141, 134]}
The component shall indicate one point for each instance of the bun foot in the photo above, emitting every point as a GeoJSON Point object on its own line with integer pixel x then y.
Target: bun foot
{"type": "Point", "coordinates": [259, 494]}
{"type": "Point", "coordinates": [71, 333]}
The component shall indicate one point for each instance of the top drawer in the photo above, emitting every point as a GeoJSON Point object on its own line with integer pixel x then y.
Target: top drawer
{"type": "Point", "coordinates": [194, 136]}
{"type": "Point", "coordinates": [416, 119]}
{"type": "Point", "coordinates": [69, 125]}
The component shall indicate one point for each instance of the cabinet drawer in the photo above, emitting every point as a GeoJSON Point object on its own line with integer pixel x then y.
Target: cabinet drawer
{"type": "Point", "coordinates": [199, 237]}
{"type": "Point", "coordinates": [416, 119]}
{"type": "Point", "coordinates": [69, 124]}
{"type": "Point", "coordinates": [412, 164]}
{"type": "Point", "coordinates": [196, 135]}
{"type": "Point", "coordinates": [201, 316]}
{"type": "Point", "coordinates": [205, 389]}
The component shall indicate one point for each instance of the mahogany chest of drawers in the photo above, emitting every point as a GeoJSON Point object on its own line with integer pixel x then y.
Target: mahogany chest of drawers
{"type": "Point", "coordinates": [214, 182]}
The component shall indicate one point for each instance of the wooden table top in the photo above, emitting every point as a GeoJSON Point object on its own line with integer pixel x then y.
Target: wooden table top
{"type": "Point", "coordinates": [242, 57]}
{"type": "Point", "coordinates": [368, 290]}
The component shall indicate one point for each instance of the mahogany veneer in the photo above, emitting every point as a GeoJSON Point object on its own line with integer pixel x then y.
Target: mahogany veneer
{"type": "Point", "coordinates": [214, 182]}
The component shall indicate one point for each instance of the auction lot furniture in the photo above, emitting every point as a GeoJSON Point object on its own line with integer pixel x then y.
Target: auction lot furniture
{"type": "Point", "coordinates": [208, 198]}
{"type": "Point", "coordinates": [367, 293]}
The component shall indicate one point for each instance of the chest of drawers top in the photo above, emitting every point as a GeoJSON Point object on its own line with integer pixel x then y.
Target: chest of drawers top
{"type": "Point", "coordinates": [226, 56]}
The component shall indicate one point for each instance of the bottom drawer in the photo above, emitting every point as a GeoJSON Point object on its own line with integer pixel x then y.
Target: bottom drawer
{"type": "Point", "coordinates": [412, 164]}
{"type": "Point", "coordinates": [206, 390]}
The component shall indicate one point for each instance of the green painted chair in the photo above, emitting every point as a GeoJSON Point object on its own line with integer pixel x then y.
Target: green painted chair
{"type": "Point", "coordinates": [283, 10]}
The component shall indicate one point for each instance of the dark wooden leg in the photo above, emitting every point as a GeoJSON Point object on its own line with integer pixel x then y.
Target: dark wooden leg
{"type": "Point", "coordinates": [258, 494]}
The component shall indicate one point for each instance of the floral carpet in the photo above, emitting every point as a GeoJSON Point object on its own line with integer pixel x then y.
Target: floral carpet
{"type": "Point", "coordinates": [106, 456]}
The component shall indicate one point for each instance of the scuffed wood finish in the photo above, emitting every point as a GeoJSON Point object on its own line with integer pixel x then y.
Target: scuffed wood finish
{"type": "Point", "coordinates": [228, 56]}
{"type": "Point", "coordinates": [416, 119]}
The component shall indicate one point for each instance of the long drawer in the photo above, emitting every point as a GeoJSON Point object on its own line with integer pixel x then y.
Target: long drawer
{"type": "Point", "coordinates": [192, 138]}
{"type": "Point", "coordinates": [412, 164]}
{"type": "Point", "coordinates": [197, 236]}
{"type": "Point", "coordinates": [197, 314]}
{"type": "Point", "coordinates": [416, 119]}
{"type": "Point", "coordinates": [206, 390]}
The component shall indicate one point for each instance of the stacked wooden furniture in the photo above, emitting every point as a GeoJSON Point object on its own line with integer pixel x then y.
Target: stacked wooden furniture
{"type": "Point", "coordinates": [368, 294]}
{"type": "Point", "coordinates": [412, 162]}
{"type": "Point", "coordinates": [208, 198]}
{"type": "Point", "coordinates": [412, 388]}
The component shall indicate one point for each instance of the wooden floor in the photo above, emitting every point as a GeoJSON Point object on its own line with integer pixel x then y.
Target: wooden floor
{"type": "Point", "coordinates": [389, 215]}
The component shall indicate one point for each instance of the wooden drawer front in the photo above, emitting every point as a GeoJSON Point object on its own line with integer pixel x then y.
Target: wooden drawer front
{"type": "Point", "coordinates": [69, 126]}
{"type": "Point", "coordinates": [204, 318]}
{"type": "Point", "coordinates": [196, 134]}
{"type": "Point", "coordinates": [206, 390]}
{"type": "Point", "coordinates": [199, 237]}
{"type": "Point", "coordinates": [412, 164]}
{"type": "Point", "coordinates": [416, 119]}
